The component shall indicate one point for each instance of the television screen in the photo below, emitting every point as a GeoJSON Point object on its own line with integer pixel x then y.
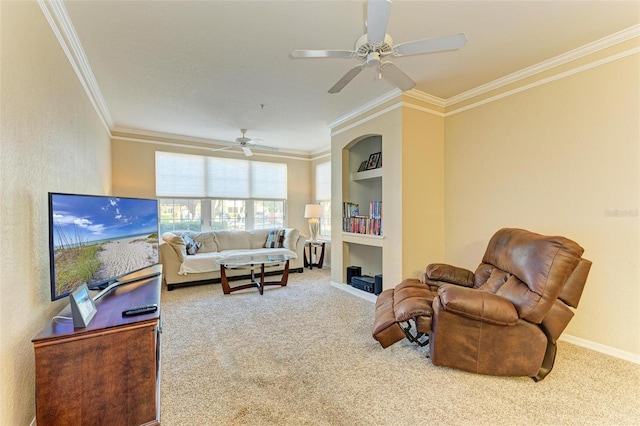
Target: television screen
{"type": "Point", "coordinates": [98, 239]}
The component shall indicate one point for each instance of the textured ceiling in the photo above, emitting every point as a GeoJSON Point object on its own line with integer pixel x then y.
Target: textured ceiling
{"type": "Point", "coordinates": [203, 69]}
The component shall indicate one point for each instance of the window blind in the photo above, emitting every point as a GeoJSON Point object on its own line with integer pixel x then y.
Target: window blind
{"type": "Point", "coordinates": [323, 181]}
{"type": "Point", "coordinates": [185, 175]}
{"type": "Point", "coordinates": [180, 175]}
{"type": "Point", "coordinates": [268, 180]}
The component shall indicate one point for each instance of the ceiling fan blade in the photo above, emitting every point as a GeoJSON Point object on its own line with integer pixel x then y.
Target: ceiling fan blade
{"type": "Point", "coordinates": [396, 76]}
{"type": "Point", "coordinates": [323, 53]}
{"type": "Point", "coordinates": [431, 45]}
{"type": "Point", "coordinates": [346, 79]}
{"type": "Point", "coordinates": [221, 149]}
{"type": "Point", "coordinates": [247, 151]}
{"type": "Point", "coordinates": [264, 147]}
{"type": "Point", "coordinates": [377, 19]}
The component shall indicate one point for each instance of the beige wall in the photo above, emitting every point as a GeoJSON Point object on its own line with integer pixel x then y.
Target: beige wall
{"type": "Point", "coordinates": [422, 188]}
{"type": "Point", "coordinates": [557, 159]}
{"type": "Point", "coordinates": [133, 170]}
{"type": "Point", "coordinates": [52, 140]}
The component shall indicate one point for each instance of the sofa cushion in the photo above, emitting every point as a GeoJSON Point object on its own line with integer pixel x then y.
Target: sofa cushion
{"type": "Point", "coordinates": [257, 238]}
{"type": "Point", "coordinates": [275, 239]}
{"type": "Point", "coordinates": [206, 262]}
{"type": "Point", "coordinates": [232, 240]}
{"type": "Point", "coordinates": [291, 237]}
{"type": "Point", "coordinates": [192, 246]}
{"type": "Point", "coordinates": [200, 263]}
{"type": "Point", "coordinates": [177, 243]}
{"type": "Point", "coordinates": [206, 239]}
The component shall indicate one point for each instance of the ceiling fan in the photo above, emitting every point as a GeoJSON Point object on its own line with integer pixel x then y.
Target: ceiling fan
{"type": "Point", "coordinates": [374, 46]}
{"type": "Point", "coordinates": [246, 144]}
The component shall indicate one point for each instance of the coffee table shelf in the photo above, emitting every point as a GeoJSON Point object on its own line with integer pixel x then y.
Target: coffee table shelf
{"type": "Point", "coordinates": [251, 262]}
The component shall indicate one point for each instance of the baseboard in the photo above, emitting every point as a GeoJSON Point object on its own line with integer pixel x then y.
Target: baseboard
{"type": "Point", "coordinates": [33, 422]}
{"type": "Point", "coordinates": [607, 350]}
{"type": "Point", "coordinates": [360, 293]}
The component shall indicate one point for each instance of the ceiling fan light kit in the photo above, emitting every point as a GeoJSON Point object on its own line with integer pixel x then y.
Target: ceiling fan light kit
{"type": "Point", "coordinates": [374, 46]}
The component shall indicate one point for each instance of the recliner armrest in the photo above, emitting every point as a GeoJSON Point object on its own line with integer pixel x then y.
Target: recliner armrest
{"type": "Point", "coordinates": [477, 304]}
{"type": "Point", "coordinates": [438, 273]}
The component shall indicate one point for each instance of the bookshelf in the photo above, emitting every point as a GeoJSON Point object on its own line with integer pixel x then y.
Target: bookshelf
{"type": "Point", "coordinates": [367, 175]}
{"type": "Point", "coordinates": [409, 134]}
{"type": "Point", "coordinates": [364, 239]}
{"type": "Point", "coordinates": [362, 230]}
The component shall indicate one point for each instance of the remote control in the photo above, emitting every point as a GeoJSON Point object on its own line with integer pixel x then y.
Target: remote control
{"type": "Point", "coordinates": [146, 309]}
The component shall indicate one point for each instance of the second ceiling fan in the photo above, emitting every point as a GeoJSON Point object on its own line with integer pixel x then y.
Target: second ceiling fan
{"type": "Point", "coordinates": [376, 45]}
{"type": "Point", "coordinates": [246, 144]}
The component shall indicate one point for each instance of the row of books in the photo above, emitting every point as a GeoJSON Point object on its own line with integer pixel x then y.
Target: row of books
{"type": "Point", "coordinates": [362, 225]}
{"type": "Point", "coordinates": [353, 209]}
{"type": "Point", "coordinates": [352, 221]}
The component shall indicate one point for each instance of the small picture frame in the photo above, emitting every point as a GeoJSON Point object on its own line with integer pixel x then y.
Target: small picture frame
{"type": "Point", "coordinates": [82, 307]}
{"type": "Point", "coordinates": [373, 160]}
{"type": "Point", "coordinates": [363, 166]}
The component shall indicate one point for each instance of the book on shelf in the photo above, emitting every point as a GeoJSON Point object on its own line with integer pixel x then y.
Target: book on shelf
{"type": "Point", "coordinates": [350, 209]}
{"type": "Point", "coordinates": [375, 209]}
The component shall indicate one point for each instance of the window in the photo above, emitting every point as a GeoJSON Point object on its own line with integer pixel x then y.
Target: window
{"type": "Point", "coordinates": [213, 214]}
{"type": "Point", "coordinates": [198, 193]}
{"type": "Point", "coordinates": [228, 214]}
{"type": "Point", "coordinates": [268, 214]}
{"type": "Point", "coordinates": [180, 215]}
{"type": "Point", "coordinates": [323, 196]}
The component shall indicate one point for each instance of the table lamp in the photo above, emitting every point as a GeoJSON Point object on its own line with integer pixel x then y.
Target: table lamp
{"type": "Point", "coordinates": [313, 212]}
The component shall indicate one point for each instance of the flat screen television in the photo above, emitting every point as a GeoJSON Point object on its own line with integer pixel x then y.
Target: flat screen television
{"type": "Point", "coordinates": [98, 239]}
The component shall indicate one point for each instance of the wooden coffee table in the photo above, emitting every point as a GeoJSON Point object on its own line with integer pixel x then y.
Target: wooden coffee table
{"type": "Point", "coordinates": [251, 262]}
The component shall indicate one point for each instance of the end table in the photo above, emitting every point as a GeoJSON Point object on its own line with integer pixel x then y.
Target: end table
{"type": "Point", "coordinates": [311, 252]}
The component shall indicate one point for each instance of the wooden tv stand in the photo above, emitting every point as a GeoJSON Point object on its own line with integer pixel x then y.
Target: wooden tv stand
{"type": "Point", "coordinates": [107, 373]}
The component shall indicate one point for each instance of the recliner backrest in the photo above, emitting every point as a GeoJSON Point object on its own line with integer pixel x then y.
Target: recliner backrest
{"type": "Point", "coordinates": [530, 270]}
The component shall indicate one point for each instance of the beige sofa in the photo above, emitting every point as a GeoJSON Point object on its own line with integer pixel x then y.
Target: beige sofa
{"type": "Point", "coordinates": [180, 268]}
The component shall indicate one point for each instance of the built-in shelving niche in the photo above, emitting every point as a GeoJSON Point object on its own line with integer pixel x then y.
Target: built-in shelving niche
{"type": "Point", "coordinates": [364, 250]}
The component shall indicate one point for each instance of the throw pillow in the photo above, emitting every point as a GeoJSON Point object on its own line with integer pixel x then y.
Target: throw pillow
{"type": "Point", "coordinates": [191, 245]}
{"type": "Point", "coordinates": [275, 239]}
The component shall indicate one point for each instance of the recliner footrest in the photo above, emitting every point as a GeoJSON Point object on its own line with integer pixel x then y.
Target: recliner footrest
{"type": "Point", "coordinates": [408, 301]}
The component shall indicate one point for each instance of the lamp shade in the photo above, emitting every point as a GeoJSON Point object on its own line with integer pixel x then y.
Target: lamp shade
{"type": "Point", "coordinates": [312, 210]}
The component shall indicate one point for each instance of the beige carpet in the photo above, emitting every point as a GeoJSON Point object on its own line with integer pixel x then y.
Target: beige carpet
{"type": "Point", "coordinates": [304, 355]}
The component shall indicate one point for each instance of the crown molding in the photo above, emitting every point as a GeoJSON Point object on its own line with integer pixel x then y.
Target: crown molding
{"type": "Point", "coordinates": [537, 83]}
{"type": "Point", "coordinates": [153, 136]}
{"type": "Point", "coordinates": [56, 15]}
{"type": "Point", "coordinates": [365, 108]}
{"type": "Point", "coordinates": [181, 141]}
{"type": "Point", "coordinates": [321, 156]}
{"type": "Point", "coordinates": [562, 59]}
{"type": "Point", "coordinates": [205, 148]}
{"type": "Point", "coordinates": [423, 109]}
{"type": "Point", "coordinates": [425, 97]}
{"type": "Point", "coordinates": [366, 118]}
{"type": "Point", "coordinates": [567, 57]}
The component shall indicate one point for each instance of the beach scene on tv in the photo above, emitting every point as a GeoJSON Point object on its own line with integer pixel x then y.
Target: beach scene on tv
{"type": "Point", "coordinates": [96, 239]}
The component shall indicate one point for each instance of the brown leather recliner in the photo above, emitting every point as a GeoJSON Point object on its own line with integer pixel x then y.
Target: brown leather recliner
{"type": "Point", "coordinates": [505, 318]}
